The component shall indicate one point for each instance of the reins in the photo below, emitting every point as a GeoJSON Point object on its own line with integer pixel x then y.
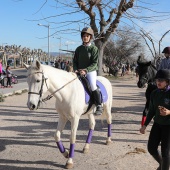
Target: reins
{"type": "Point", "coordinates": [51, 95]}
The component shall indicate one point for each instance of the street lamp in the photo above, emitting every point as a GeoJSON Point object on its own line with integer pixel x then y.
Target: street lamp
{"type": "Point", "coordinates": [47, 26]}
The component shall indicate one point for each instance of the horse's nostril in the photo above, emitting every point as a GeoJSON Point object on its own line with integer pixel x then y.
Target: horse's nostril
{"type": "Point", "coordinates": [139, 84]}
{"type": "Point", "coordinates": [32, 106]}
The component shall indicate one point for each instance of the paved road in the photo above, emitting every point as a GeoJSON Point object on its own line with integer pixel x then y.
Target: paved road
{"type": "Point", "coordinates": [21, 73]}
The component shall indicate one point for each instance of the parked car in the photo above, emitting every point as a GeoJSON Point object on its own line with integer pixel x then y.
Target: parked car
{"type": "Point", "coordinates": [43, 62]}
{"type": "Point", "coordinates": [51, 63]}
{"type": "Point", "coordinates": [10, 62]}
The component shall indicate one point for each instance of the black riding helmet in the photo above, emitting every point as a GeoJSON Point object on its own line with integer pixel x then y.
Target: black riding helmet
{"type": "Point", "coordinates": [166, 50]}
{"type": "Point", "coordinates": [163, 74]}
{"type": "Point", "coordinates": [87, 30]}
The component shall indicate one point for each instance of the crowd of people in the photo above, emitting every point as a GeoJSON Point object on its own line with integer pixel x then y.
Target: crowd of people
{"type": "Point", "coordinates": [64, 65]}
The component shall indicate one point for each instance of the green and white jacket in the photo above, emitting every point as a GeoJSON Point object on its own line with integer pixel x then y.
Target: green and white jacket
{"type": "Point", "coordinates": [86, 57]}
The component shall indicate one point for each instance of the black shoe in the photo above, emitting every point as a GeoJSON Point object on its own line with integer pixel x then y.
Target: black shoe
{"type": "Point", "coordinates": [99, 110]}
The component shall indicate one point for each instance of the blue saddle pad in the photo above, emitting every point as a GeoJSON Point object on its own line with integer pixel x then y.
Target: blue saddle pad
{"type": "Point", "coordinates": [103, 92]}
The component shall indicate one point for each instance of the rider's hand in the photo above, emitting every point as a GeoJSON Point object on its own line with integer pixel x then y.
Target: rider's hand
{"type": "Point", "coordinates": [82, 72]}
{"type": "Point", "coordinates": [143, 129]}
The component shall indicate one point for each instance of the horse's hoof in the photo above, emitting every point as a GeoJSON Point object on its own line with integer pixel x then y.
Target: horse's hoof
{"type": "Point", "coordinates": [66, 154]}
{"type": "Point", "coordinates": [108, 142]}
{"type": "Point", "coordinates": [85, 150]}
{"type": "Point", "coordinates": [69, 165]}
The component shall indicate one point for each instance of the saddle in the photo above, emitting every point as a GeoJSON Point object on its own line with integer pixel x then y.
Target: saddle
{"type": "Point", "coordinates": [89, 99]}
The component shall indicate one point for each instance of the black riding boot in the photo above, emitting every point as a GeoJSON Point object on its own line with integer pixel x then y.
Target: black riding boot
{"type": "Point", "coordinates": [158, 158]}
{"type": "Point", "coordinates": [98, 102]}
{"type": "Point", "coordinates": [165, 163]}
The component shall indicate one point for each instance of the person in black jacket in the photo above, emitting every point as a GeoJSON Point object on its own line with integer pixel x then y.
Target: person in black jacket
{"type": "Point", "coordinates": [159, 110]}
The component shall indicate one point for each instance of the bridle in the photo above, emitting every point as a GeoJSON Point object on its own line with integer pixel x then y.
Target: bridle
{"type": "Point", "coordinates": [147, 75]}
{"type": "Point", "coordinates": [41, 89]}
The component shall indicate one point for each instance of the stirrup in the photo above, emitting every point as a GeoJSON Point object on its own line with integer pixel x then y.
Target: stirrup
{"type": "Point", "coordinates": [99, 110]}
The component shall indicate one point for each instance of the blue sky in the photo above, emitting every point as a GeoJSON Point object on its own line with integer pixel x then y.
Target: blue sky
{"type": "Point", "coordinates": [20, 19]}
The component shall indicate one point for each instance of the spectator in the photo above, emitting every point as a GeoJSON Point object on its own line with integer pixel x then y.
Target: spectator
{"type": "Point", "coordinates": [9, 76]}
{"type": "Point", "coordinates": [123, 70]}
{"type": "Point", "coordinates": [165, 62]}
{"type": "Point", "coordinates": [56, 64]}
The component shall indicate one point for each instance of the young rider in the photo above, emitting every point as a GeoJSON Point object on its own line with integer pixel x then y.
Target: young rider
{"type": "Point", "coordinates": [159, 110]}
{"type": "Point", "coordinates": [85, 62]}
{"type": "Point", "coordinates": [9, 76]}
{"type": "Point", "coordinates": [165, 63]}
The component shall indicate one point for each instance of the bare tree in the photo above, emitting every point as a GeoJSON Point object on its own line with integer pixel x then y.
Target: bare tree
{"type": "Point", "coordinates": [104, 16]}
{"type": "Point", "coordinates": [147, 36]}
{"type": "Point", "coordinates": [106, 26]}
{"type": "Point", "coordinates": [161, 40]}
{"type": "Point", "coordinates": [125, 46]}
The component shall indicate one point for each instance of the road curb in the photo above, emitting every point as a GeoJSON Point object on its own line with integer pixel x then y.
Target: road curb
{"type": "Point", "coordinates": [15, 92]}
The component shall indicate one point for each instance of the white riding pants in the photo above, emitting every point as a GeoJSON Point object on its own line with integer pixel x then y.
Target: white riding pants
{"type": "Point", "coordinates": [91, 76]}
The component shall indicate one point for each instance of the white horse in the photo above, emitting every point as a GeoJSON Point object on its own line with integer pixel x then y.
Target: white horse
{"type": "Point", "coordinates": [70, 102]}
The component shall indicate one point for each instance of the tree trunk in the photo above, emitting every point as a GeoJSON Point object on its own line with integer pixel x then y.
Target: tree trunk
{"type": "Point", "coordinates": [101, 50]}
{"type": "Point", "coordinates": [14, 62]}
{"type": "Point", "coordinates": [4, 59]}
{"type": "Point", "coordinates": [22, 57]}
{"type": "Point", "coordinates": [100, 46]}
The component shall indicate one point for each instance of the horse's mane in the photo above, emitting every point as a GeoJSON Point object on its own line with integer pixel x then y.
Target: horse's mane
{"type": "Point", "coordinates": [33, 68]}
{"type": "Point", "coordinates": [153, 66]}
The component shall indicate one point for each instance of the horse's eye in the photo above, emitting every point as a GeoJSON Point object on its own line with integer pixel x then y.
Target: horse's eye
{"type": "Point", "coordinates": [38, 81]}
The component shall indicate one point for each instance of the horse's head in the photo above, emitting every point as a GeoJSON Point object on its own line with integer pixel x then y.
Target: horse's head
{"type": "Point", "coordinates": [145, 73]}
{"type": "Point", "coordinates": [37, 84]}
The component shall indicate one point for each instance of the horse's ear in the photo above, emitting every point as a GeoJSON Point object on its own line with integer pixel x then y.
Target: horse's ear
{"type": "Point", "coordinates": [26, 66]}
{"type": "Point", "coordinates": [38, 64]}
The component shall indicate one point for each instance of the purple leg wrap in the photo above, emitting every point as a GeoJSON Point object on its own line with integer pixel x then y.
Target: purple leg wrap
{"type": "Point", "coordinates": [60, 146]}
{"type": "Point", "coordinates": [89, 137]}
{"type": "Point", "coordinates": [109, 130]}
{"type": "Point", "coordinates": [71, 153]}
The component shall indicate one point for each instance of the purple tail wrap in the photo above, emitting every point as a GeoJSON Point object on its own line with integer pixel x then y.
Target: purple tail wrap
{"type": "Point", "coordinates": [109, 130]}
{"type": "Point", "coordinates": [60, 146]}
{"type": "Point", "coordinates": [89, 137]}
{"type": "Point", "coordinates": [71, 153]}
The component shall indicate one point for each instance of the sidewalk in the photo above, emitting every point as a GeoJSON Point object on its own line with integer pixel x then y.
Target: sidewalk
{"type": "Point", "coordinates": [17, 89]}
